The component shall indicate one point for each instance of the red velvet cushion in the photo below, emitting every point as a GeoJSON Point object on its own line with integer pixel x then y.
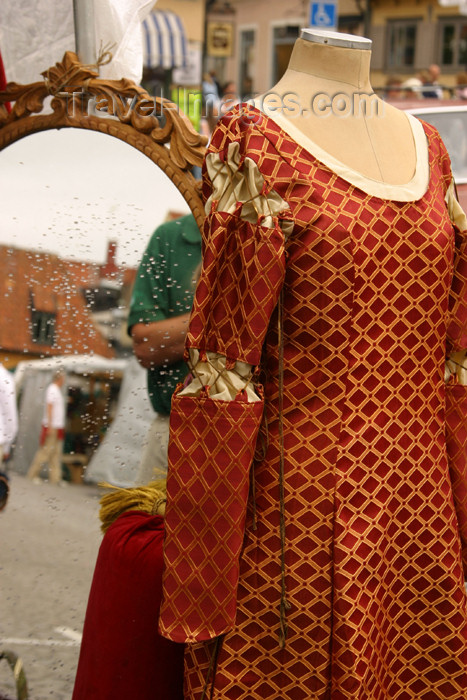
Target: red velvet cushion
{"type": "Point", "coordinates": [122, 655]}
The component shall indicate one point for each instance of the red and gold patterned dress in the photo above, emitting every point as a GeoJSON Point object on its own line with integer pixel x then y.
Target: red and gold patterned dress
{"type": "Point", "coordinates": [364, 584]}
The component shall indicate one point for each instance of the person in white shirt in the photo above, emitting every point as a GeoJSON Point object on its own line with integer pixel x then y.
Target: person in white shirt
{"type": "Point", "coordinates": [8, 413]}
{"type": "Point", "coordinates": [53, 429]}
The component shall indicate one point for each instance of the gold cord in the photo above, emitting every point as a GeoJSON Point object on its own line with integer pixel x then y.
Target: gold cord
{"type": "Point", "coordinates": [284, 604]}
{"type": "Point", "coordinates": [212, 665]}
{"type": "Point", "coordinates": [104, 57]}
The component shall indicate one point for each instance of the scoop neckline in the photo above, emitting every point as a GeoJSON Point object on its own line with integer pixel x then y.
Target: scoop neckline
{"type": "Point", "coordinates": [410, 191]}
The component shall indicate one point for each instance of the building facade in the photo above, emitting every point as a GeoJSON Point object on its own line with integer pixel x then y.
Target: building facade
{"type": "Point", "coordinates": [264, 33]}
{"type": "Point", "coordinates": [408, 36]}
{"type": "Point", "coordinates": [52, 306]}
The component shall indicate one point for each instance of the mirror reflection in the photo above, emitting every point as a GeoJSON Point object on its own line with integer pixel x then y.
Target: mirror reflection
{"type": "Point", "coordinates": [78, 209]}
{"type": "Point", "coordinates": [72, 191]}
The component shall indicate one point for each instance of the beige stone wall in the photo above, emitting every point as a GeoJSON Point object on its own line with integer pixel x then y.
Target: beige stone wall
{"type": "Point", "coordinates": [191, 13]}
{"type": "Point", "coordinates": [429, 10]}
{"type": "Point", "coordinates": [261, 16]}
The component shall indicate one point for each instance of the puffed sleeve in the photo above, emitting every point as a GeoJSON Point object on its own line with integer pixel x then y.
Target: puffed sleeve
{"type": "Point", "coordinates": [212, 436]}
{"type": "Point", "coordinates": [243, 247]}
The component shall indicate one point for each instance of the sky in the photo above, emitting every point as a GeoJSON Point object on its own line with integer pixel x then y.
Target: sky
{"type": "Point", "coordinates": [70, 191]}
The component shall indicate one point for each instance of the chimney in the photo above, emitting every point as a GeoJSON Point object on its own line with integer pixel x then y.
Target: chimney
{"type": "Point", "coordinates": [110, 269]}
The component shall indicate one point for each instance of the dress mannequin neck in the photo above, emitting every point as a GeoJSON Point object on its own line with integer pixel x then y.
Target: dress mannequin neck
{"type": "Point", "coordinates": [346, 65]}
{"type": "Point", "coordinates": [375, 140]}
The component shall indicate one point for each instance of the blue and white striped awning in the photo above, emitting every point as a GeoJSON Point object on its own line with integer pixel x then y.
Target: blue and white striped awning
{"type": "Point", "coordinates": [164, 40]}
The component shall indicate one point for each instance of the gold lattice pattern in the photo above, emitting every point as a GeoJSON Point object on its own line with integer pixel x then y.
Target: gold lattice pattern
{"type": "Point", "coordinates": [373, 568]}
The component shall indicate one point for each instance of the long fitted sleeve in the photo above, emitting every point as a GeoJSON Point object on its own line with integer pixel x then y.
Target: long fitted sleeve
{"type": "Point", "coordinates": [215, 420]}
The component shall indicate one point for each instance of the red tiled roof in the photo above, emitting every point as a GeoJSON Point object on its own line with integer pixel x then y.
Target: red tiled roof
{"type": "Point", "coordinates": [53, 285]}
{"type": "Point", "coordinates": [86, 274]}
{"type": "Point", "coordinates": [82, 274]}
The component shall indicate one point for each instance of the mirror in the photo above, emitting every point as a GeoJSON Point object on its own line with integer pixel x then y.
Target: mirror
{"type": "Point", "coordinates": [111, 192]}
{"type": "Point", "coordinates": [101, 215]}
{"type": "Point", "coordinates": [83, 163]}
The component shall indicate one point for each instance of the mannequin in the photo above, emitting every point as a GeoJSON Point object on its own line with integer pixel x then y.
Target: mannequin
{"type": "Point", "coordinates": [379, 145]}
{"type": "Point", "coordinates": [330, 246]}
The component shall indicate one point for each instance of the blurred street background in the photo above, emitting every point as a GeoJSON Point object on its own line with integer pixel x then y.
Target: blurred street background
{"type": "Point", "coordinates": [50, 539]}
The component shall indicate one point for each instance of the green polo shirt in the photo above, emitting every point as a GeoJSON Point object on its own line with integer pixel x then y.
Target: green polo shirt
{"type": "Point", "coordinates": [164, 287]}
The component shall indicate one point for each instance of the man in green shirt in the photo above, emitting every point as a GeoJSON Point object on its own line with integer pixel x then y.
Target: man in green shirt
{"type": "Point", "coordinates": [158, 320]}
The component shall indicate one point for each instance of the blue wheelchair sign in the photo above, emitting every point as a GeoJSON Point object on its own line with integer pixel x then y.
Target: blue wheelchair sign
{"type": "Point", "coordinates": [323, 15]}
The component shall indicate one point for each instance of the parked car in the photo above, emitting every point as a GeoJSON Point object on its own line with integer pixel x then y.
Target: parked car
{"type": "Point", "coordinates": [450, 118]}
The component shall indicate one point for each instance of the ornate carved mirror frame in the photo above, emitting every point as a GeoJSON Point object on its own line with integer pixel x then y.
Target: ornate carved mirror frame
{"type": "Point", "coordinates": [119, 108]}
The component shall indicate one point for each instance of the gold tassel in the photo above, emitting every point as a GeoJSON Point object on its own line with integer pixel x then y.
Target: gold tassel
{"type": "Point", "coordinates": [149, 499]}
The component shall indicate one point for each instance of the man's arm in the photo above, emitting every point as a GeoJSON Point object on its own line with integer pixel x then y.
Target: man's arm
{"type": "Point", "coordinates": [161, 342]}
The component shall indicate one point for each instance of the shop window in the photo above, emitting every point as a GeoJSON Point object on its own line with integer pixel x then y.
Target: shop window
{"type": "Point", "coordinates": [284, 40]}
{"type": "Point", "coordinates": [157, 81]}
{"type": "Point", "coordinates": [401, 44]}
{"type": "Point", "coordinates": [453, 43]}
{"type": "Point", "coordinates": [247, 62]}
